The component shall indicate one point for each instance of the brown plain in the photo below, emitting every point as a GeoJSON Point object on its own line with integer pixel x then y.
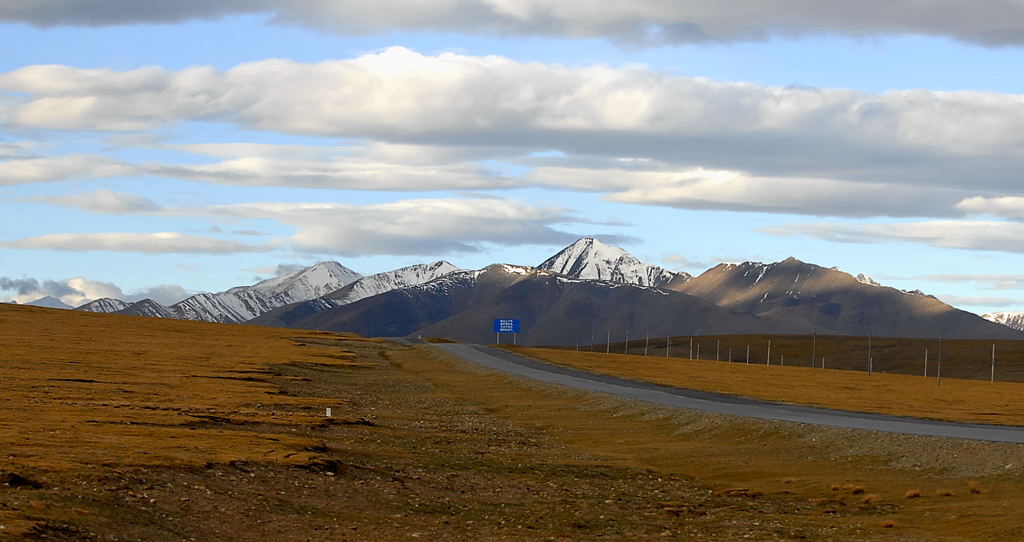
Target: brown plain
{"type": "Point", "coordinates": [124, 428]}
{"type": "Point", "coordinates": [958, 399]}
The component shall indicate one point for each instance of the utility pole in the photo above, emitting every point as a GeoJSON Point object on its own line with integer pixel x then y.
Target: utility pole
{"type": "Point", "coordinates": [748, 354]}
{"type": "Point", "coordinates": [814, 347]}
{"type": "Point", "coordinates": [869, 354]}
{"type": "Point", "coordinates": [625, 350]}
{"type": "Point", "coordinates": [730, 353]}
{"type": "Point", "coordinates": [718, 345]}
{"type": "Point", "coordinates": [938, 371]}
{"type": "Point", "coordinates": [768, 359]}
{"type": "Point", "coordinates": [691, 349]}
{"type": "Point", "coordinates": [926, 363]}
{"type": "Point", "coordinates": [993, 377]}
{"type": "Point", "coordinates": [698, 350]}
{"type": "Point", "coordinates": [608, 345]}
{"type": "Point", "coordinates": [668, 344]}
{"type": "Point", "coordinates": [647, 341]}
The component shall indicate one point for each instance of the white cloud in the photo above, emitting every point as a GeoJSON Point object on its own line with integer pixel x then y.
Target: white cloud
{"type": "Point", "coordinates": [78, 291]}
{"type": "Point", "coordinates": [960, 234]}
{"type": "Point", "coordinates": [145, 243]}
{"type": "Point", "coordinates": [106, 202]}
{"type": "Point", "coordinates": [426, 119]}
{"type": "Point", "coordinates": [411, 227]}
{"type": "Point", "coordinates": [344, 173]}
{"type": "Point", "coordinates": [1006, 206]}
{"type": "Point", "coordinates": [737, 191]}
{"type": "Point", "coordinates": [979, 301]}
{"type": "Point", "coordinates": [994, 22]}
{"type": "Point", "coordinates": [43, 169]}
{"type": "Point", "coordinates": [165, 294]}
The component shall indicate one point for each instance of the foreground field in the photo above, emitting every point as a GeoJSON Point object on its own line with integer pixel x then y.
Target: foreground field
{"type": "Point", "coordinates": [960, 358]}
{"type": "Point", "coordinates": [903, 395]}
{"type": "Point", "coordinates": [121, 428]}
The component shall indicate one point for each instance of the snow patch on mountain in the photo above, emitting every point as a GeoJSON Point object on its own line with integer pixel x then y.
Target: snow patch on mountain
{"type": "Point", "coordinates": [148, 307]}
{"type": "Point", "coordinates": [391, 280]}
{"type": "Point", "coordinates": [49, 302]}
{"type": "Point", "coordinates": [865, 279]}
{"type": "Point", "coordinates": [104, 304]}
{"type": "Point", "coordinates": [591, 259]}
{"type": "Point", "coordinates": [1011, 319]}
{"type": "Point", "coordinates": [244, 303]}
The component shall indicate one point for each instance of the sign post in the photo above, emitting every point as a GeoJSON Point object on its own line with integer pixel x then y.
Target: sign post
{"type": "Point", "coordinates": [505, 325]}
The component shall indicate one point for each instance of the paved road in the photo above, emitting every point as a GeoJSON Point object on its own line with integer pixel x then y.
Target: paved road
{"type": "Point", "coordinates": [724, 404]}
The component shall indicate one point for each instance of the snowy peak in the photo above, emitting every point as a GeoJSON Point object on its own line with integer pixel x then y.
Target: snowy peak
{"type": "Point", "coordinates": [148, 307]}
{"type": "Point", "coordinates": [244, 303]}
{"type": "Point", "coordinates": [311, 282]}
{"type": "Point", "coordinates": [390, 280]}
{"type": "Point", "coordinates": [865, 279]}
{"type": "Point", "coordinates": [49, 302]}
{"type": "Point", "coordinates": [1011, 319]}
{"type": "Point", "coordinates": [591, 259]}
{"type": "Point", "coordinates": [104, 304]}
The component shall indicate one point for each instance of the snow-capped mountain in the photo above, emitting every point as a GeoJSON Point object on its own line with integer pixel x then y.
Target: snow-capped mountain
{"type": "Point", "coordinates": [1011, 319]}
{"type": "Point", "coordinates": [365, 287]}
{"type": "Point", "coordinates": [49, 302]}
{"type": "Point", "coordinates": [104, 304]}
{"type": "Point", "coordinates": [591, 259]}
{"type": "Point", "coordinates": [148, 307]}
{"type": "Point", "coordinates": [390, 280]}
{"type": "Point", "coordinates": [243, 303]}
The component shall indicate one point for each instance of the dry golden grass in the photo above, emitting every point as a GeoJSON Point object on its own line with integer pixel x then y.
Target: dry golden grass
{"type": "Point", "coordinates": [904, 395]}
{"type": "Point", "coordinates": [143, 391]}
{"type": "Point", "coordinates": [827, 469]}
{"type": "Point", "coordinates": [81, 390]}
{"type": "Point", "coordinates": [960, 358]}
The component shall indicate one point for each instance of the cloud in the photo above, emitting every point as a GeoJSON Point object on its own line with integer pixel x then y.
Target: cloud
{"type": "Point", "coordinates": [1007, 206]}
{"type": "Point", "coordinates": [996, 22]}
{"type": "Point", "coordinates": [411, 227]}
{"type": "Point", "coordinates": [679, 261]}
{"type": "Point", "coordinates": [431, 122]}
{"type": "Point", "coordinates": [105, 202]}
{"type": "Point", "coordinates": [979, 301]}
{"type": "Point", "coordinates": [74, 292]}
{"type": "Point", "coordinates": [959, 234]}
{"type": "Point", "coordinates": [703, 189]}
{"type": "Point", "coordinates": [165, 294]}
{"type": "Point", "coordinates": [23, 170]}
{"type": "Point", "coordinates": [78, 291]}
{"type": "Point", "coordinates": [145, 243]}
{"type": "Point", "coordinates": [986, 281]}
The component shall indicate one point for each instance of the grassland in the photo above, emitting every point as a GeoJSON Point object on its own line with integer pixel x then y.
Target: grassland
{"type": "Point", "coordinates": [887, 393]}
{"type": "Point", "coordinates": [961, 358]}
{"type": "Point", "coordinates": [122, 428]}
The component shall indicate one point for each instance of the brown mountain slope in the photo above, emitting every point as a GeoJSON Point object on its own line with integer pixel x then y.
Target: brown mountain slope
{"type": "Point", "coordinates": [802, 297]}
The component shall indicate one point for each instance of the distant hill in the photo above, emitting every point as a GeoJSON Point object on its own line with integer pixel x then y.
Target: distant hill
{"type": "Point", "coordinates": [555, 309]}
{"type": "Point", "coordinates": [578, 295]}
{"type": "Point", "coordinates": [49, 302]}
{"type": "Point", "coordinates": [288, 315]}
{"type": "Point", "coordinates": [800, 297]}
{"type": "Point", "coordinates": [1013, 320]}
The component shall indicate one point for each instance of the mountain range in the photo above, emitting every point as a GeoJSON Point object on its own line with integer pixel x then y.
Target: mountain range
{"type": "Point", "coordinates": [584, 294]}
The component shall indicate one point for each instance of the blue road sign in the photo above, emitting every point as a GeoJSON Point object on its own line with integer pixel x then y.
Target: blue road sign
{"type": "Point", "coordinates": [506, 325]}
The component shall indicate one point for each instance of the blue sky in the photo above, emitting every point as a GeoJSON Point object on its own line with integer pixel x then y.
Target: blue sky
{"type": "Point", "coordinates": [159, 152]}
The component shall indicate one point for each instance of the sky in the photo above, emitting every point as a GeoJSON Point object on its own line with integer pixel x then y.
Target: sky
{"type": "Point", "coordinates": [161, 149]}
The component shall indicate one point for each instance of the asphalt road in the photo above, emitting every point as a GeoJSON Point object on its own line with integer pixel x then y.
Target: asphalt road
{"type": "Point", "coordinates": [516, 364]}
